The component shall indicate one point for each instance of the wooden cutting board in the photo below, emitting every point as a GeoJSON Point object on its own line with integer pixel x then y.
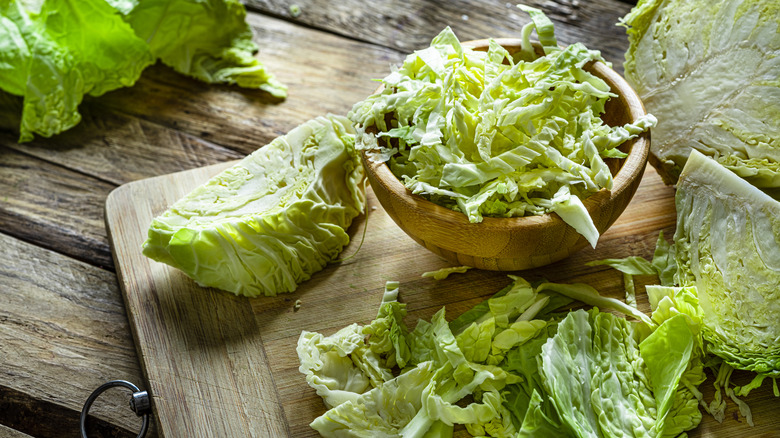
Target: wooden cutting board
{"type": "Point", "coordinates": [218, 365]}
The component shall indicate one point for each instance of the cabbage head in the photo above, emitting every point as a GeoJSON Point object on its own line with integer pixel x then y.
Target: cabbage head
{"type": "Point", "coordinates": [268, 223]}
{"type": "Point", "coordinates": [710, 71]}
{"type": "Point", "coordinates": [728, 246]}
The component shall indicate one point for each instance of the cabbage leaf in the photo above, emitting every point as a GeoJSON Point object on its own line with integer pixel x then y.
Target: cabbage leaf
{"type": "Point", "coordinates": [208, 40]}
{"type": "Point", "coordinates": [606, 380]}
{"type": "Point", "coordinates": [53, 53]}
{"type": "Point", "coordinates": [495, 134]}
{"type": "Point", "coordinates": [269, 222]}
{"type": "Point", "coordinates": [712, 70]}
{"type": "Point", "coordinates": [511, 367]}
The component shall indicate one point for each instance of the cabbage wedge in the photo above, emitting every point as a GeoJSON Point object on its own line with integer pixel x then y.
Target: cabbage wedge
{"type": "Point", "coordinates": [272, 220]}
{"type": "Point", "coordinates": [727, 244]}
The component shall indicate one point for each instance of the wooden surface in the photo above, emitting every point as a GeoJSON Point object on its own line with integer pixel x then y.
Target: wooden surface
{"type": "Point", "coordinates": [220, 365]}
{"type": "Point", "coordinates": [63, 324]}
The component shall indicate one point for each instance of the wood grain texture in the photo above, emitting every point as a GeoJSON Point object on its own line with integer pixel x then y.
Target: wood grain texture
{"type": "Point", "coordinates": [201, 352]}
{"type": "Point", "coordinates": [53, 207]}
{"type": "Point", "coordinates": [410, 25]}
{"type": "Point", "coordinates": [63, 332]}
{"type": "Point", "coordinates": [23, 413]}
{"type": "Point", "coordinates": [220, 365]}
{"type": "Point", "coordinates": [117, 148]}
{"type": "Point", "coordinates": [7, 432]}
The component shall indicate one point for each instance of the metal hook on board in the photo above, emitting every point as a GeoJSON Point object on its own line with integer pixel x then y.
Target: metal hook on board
{"type": "Point", "coordinates": [140, 403]}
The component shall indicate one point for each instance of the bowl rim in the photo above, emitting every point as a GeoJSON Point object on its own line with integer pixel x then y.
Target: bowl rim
{"type": "Point", "coordinates": [631, 168]}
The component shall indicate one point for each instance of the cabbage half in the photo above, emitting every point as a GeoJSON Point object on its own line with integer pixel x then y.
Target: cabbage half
{"type": "Point", "coordinates": [496, 134]}
{"type": "Point", "coordinates": [727, 244]}
{"type": "Point", "coordinates": [272, 220]}
{"type": "Point", "coordinates": [710, 71]}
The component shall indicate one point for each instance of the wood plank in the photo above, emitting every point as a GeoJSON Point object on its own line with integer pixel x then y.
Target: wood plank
{"type": "Point", "coordinates": [117, 147]}
{"type": "Point", "coordinates": [410, 25]}
{"type": "Point", "coordinates": [63, 333]}
{"type": "Point", "coordinates": [53, 207]}
{"type": "Point", "coordinates": [7, 432]}
{"type": "Point", "coordinates": [22, 413]}
{"type": "Point", "coordinates": [208, 354]}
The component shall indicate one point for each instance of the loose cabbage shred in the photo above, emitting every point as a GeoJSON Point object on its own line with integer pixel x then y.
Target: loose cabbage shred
{"type": "Point", "coordinates": [269, 222]}
{"type": "Point", "coordinates": [494, 133]}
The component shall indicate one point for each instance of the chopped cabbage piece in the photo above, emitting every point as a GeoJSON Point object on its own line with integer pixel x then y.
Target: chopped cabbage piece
{"type": "Point", "coordinates": [272, 220]}
{"type": "Point", "coordinates": [511, 367]}
{"type": "Point", "coordinates": [443, 273]}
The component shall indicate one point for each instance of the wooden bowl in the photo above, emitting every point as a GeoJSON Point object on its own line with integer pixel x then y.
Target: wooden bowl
{"type": "Point", "coordinates": [508, 244]}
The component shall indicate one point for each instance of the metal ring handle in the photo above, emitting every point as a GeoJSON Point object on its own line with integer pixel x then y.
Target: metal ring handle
{"type": "Point", "coordinates": [100, 390]}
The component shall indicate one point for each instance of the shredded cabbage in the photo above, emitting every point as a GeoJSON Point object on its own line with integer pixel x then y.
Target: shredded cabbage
{"type": "Point", "coordinates": [272, 220]}
{"type": "Point", "coordinates": [497, 134]}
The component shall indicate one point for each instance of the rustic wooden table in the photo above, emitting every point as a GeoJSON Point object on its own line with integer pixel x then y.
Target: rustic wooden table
{"type": "Point", "coordinates": [63, 325]}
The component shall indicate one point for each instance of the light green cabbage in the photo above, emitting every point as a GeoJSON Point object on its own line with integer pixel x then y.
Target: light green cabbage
{"type": "Point", "coordinates": [727, 244]}
{"type": "Point", "coordinates": [497, 134]}
{"type": "Point", "coordinates": [663, 266]}
{"type": "Point", "coordinates": [712, 70]}
{"type": "Point", "coordinates": [726, 261]}
{"type": "Point", "coordinates": [208, 40]}
{"type": "Point", "coordinates": [443, 273]}
{"type": "Point", "coordinates": [272, 220]}
{"type": "Point", "coordinates": [606, 380]}
{"type": "Point", "coordinates": [55, 52]}
{"type": "Point", "coordinates": [509, 367]}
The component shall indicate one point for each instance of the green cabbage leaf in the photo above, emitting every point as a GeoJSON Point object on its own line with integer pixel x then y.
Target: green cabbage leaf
{"type": "Point", "coordinates": [605, 380]}
{"type": "Point", "coordinates": [55, 55]}
{"type": "Point", "coordinates": [208, 40]}
{"type": "Point", "coordinates": [489, 133]}
{"type": "Point", "coordinates": [269, 222]}
{"type": "Point", "coordinates": [712, 70]}
{"type": "Point", "coordinates": [723, 273]}
{"type": "Point", "coordinates": [54, 52]}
